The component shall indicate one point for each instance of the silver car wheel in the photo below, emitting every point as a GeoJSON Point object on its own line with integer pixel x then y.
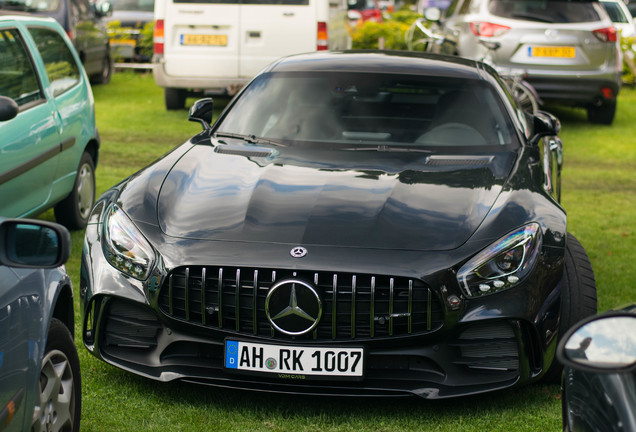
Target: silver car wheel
{"type": "Point", "coordinates": [85, 191]}
{"type": "Point", "coordinates": [57, 402]}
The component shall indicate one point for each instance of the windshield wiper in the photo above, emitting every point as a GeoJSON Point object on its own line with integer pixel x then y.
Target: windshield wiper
{"type": "Point", "coordinates": [250, 139]}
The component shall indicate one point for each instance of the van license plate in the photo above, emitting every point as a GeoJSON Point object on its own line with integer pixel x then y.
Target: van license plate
{"type": "Point", "coordinates": [557, 52]}
{"type": "Point", "coordinates": [204, 39]}
{"type": "Point", "coordinates": [298, 362]}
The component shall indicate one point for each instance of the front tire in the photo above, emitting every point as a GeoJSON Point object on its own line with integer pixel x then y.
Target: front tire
{"type": "Point", "coordinates": [578, 295]}
{"type": "Point", "coordinates": [60, 383]}
{"type": "Point", "coordinates": [74, 210]}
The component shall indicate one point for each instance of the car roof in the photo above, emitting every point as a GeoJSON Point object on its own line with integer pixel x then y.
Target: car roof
{"type": "Point", "coordinates": [380, 61]}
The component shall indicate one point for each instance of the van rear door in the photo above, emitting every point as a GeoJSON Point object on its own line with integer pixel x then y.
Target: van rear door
{"type": "Point", "coordinates": [271, 29]}
{"type": "Point", "coordinates": [202, 39]}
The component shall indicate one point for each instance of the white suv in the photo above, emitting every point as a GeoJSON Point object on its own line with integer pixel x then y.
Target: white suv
{"type": "Point", "coordinates": [568, 49]}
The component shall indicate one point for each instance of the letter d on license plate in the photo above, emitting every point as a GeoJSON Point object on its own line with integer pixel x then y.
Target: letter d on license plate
{"type": "Point", "coordinates": [294, 361]}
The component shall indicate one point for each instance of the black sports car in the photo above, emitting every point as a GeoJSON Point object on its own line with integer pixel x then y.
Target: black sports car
{"type": "Point", "coordinates": [354, 223]}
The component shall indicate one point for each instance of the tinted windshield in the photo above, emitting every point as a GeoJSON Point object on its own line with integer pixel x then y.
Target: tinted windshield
{"type": "Point", "coordinates": [375, 109]}
{"type": "Point", "coordinates": [549, 11]}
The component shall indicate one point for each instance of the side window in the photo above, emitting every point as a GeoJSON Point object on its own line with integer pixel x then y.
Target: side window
{"type": "Point", "coordinates": [59, 61]}
{"type": "Point", "coordinates": [17, 74]}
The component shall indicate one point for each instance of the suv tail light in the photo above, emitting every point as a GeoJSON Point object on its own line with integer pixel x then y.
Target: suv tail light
{"type": "Point", "coordinates": [323, 40]}
{"type": "Point", "coordinates": [607, 34]}
{"type": "Point", "coordinates": [157, 37]}
{"type": "Point", "coordinates": [486, 29]}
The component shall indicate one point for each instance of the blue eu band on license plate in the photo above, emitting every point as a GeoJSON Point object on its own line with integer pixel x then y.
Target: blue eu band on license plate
{"type": "Point", "coordinates": [287, 360]}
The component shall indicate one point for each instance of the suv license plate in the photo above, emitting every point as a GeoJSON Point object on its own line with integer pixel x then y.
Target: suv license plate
{"type": "Point", "coordinates": [558, 52]}
{"type": "Point", "coordinates": [294, 361]}
{"type": "Point", "coordinates": [204, 39]}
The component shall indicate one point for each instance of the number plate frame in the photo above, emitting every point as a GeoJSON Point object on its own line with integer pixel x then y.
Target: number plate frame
{"type": "Point", "coordinates": [317, 362]}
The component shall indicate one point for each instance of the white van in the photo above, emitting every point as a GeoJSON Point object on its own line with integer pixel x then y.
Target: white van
{"type": "Point", "coordinates": [216, 46]}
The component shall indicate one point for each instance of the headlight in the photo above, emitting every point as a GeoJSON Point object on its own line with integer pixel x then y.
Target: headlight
{"type": "Point", "coordinates": [502, 265]}
{"type": "Point", "coordinates": [124, 246]}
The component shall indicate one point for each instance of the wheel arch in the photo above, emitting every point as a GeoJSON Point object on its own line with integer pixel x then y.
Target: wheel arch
{"type": "Point", "coordinates": [64, 310]}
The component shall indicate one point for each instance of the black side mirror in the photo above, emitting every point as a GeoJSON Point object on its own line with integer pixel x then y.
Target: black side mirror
{"type": "Point", "coordinates": [33, 243]}
{"type": "Point", "coordinates": [8, 108]}
{"type": "Point", "coordinates": [201, 111]}
{"type": "Point", "coordinates": [544, 124]}
{"type": "Point", "coordinates": [606, 343]}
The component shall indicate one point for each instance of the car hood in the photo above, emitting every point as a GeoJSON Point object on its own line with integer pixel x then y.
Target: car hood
{"type": "Point", "coordinates": [371, 199]}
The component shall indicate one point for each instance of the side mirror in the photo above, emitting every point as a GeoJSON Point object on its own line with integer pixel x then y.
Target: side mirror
{"type": "Point", "coordinates": [8, 108]}
{"type": "Point", "coordinates": [201, 111]}
{"type": "Point", "coordinates": [31, 243]}
{"type": "Point", "coordinates": [544, 124]}
{"type": "Point", "coordinates": [606, 343]}
{"type": "Point", "coordinates": [433, 14]}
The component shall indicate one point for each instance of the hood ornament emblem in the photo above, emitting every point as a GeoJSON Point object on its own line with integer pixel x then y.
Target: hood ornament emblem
{"type": "Point", "coordinates": [298, 252]}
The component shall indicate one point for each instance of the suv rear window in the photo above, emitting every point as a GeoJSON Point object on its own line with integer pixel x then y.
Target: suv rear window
{"type": "Point", "coordinates": [548, 11]}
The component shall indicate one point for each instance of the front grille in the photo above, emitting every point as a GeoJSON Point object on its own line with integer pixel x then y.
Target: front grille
{"type": "Point", "coordinates": [355, 306]}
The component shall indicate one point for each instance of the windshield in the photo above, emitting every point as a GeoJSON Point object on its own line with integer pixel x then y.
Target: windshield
{"type": "Point", "coordinates": [370, 109]}
{"type": "Point", "coordinates": [30, 5]}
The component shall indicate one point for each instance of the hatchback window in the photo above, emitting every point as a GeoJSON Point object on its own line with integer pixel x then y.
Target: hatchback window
{"type": "Point", "coordinates": [17, 75]}
{"type": "Point", "coordinates": [59, 61]}
{"type": "Point", "coordinates": [371, 109]}
{"type": "Point", "coordinates": [548, 11]}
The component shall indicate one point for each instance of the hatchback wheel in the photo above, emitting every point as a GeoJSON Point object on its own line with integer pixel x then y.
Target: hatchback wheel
{"type": "Point", "coordinates": [73, 211]}
{"type": "Point", "coordinates": [60, 383]}
{"type": "Point", "coordinates": [602, 114]}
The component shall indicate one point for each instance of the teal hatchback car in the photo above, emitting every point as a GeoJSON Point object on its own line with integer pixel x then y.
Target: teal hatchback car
{"type": "Point", "coordinates": [49, 144]}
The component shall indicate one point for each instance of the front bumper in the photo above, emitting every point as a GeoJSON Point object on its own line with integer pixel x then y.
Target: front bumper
{"type": "Point", "coordinates": [481, 345]}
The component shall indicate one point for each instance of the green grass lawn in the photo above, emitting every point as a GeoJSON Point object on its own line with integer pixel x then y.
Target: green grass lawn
{"type": "Point", "coordinates": [599, 193]}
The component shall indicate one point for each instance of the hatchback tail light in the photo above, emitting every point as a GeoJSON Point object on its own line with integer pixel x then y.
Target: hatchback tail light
{"type": "Point", "coordinates": [158, 37]}
{"type": "Point", "coordinates": [486, 29]}
{"type": "Point", "coordinates": [607, 34]}
{"type": "Point", "coordinates": [323, 39]}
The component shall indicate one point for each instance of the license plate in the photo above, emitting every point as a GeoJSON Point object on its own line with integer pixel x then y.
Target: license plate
{"type": "Point", "coordinates": [127, 42]}
{"type": "Point", "coordinates": [204, 39]}
{"type": "Point", "coordinates": [298, 362]}
{"type": "Point", "coordinates": [557, 52]}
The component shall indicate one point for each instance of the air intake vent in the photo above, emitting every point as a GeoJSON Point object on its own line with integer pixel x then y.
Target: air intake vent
{"type": "Point", "coordinates": [464, 161]}
{"type": "Point", "coordinates": [130, 326]}
{"type": "Point", "coordinates": [244, 151]}
{"type": "Point", "coordinates": [489, 347]}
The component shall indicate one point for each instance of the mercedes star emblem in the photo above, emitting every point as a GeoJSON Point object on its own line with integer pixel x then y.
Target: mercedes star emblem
{"type": "Point", "coordinates": [293, 307]}
{"type": "Point", "coordinates": [298, 252]}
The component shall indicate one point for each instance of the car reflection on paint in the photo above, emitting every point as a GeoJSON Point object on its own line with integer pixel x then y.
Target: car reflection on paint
{"type": "Point", "coordinates": [599, 385]}
{"type": "Point", "coordinates": [375, 223]}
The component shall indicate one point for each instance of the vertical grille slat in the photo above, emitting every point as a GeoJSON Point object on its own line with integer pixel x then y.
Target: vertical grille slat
{"type": "Point", "coordinates": [355, 306]}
